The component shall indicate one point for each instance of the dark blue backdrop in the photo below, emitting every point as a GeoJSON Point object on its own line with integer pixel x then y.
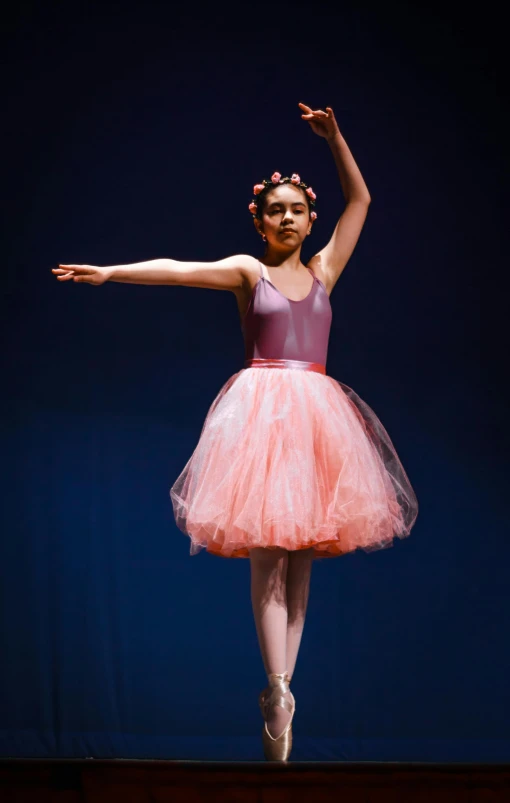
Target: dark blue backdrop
{"type": "Point", "coordinates": [127, 130]}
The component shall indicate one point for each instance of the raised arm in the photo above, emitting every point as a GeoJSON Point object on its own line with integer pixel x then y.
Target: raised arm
{"type": "Point", "coordinates": [224, 274]}
{"type": "Point", "coordinates": [332, 259]}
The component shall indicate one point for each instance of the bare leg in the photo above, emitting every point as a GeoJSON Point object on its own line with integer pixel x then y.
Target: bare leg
{"type": "Point", "coordinates": [298, 587]}
{"type": "Point", "coordinates": [269, 601]}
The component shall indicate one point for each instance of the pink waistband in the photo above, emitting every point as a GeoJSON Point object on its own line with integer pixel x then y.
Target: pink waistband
{"type": "Point", "coordinates": [259, 362]}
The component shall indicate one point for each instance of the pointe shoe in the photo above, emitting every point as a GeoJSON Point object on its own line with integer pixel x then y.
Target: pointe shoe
{"type": "Point", "coordinates": [278, 749]}
{"type": "Point", "coordinates": [264, 693]}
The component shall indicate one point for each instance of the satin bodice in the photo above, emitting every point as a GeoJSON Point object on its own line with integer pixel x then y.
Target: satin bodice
{"type": "Point", "coordinates": [276, 327]}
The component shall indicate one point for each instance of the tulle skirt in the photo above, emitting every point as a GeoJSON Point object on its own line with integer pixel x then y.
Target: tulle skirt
{"type": "Point", "coordinates": [295, 459]}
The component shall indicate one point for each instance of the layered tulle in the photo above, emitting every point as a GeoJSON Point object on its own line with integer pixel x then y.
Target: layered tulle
{"type": "Point", "coordinates": [295, 459]}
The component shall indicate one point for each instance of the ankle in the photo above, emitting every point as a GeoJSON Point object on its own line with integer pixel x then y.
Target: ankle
{"type": "Point", "coordinates": [278, 676]}
{"type": "Point", "coordinates": [278, 680]}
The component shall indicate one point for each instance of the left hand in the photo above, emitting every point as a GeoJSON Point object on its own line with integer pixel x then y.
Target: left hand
{"type": "Point", "coordinates": [322, 123]}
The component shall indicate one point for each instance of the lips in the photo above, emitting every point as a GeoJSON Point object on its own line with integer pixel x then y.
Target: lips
{"type": "Point", "coordinates": [285, 231]}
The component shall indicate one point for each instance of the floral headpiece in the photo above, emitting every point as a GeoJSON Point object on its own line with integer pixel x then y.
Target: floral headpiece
{"type": "Point", "coordinates": [276, 178]}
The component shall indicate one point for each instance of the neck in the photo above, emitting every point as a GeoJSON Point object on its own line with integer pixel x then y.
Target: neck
{"type": "Point", "coordinates": [288, 260]}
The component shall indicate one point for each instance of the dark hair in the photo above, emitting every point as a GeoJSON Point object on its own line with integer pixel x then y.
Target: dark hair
{"type": "Point", "coordinates": [260, 199]}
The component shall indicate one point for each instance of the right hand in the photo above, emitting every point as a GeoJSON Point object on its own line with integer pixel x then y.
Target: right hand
{"type": "Point", "coordinates": [91, 274]}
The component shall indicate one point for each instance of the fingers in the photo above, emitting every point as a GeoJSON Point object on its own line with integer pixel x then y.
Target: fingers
{"type": "Point", "coordinates": [67, 276]}
{"type": "Point", "coordinates": [61, 275]}
{"type": "Point", "coordinates": [78, 273]}
{"type": "Point", "coordinates": [75, 268]}
{"type": "Point", "coordinates": [318, 114]}
{"type": "Point", "coordinates": [315, 116]}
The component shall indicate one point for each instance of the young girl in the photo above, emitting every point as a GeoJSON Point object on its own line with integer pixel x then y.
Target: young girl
{"type": "Point", "coordinates": [291, 465]}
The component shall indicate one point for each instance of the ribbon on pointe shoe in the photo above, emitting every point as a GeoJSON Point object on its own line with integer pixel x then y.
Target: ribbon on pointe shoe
{"type": "Point", "coordinates": [264, 694]}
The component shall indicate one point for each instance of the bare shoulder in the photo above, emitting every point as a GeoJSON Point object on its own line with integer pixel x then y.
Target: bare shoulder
{"type": "Point", "coordinates": [232, 273]}
{"type": "Point", "coordinates": [250, 269]}
{"type": "Point", "coordinates": [249, 274]}
{"type": "Point", "coordinates": [244, 272]}
{"type": "Point", "coordinates": [238, 273]}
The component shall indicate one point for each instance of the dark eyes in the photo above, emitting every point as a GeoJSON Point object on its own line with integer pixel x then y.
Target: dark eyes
{"type": "Point", "coordinates": [297, 211]}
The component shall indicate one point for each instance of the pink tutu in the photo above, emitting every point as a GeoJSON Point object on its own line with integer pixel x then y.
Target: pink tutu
{"type": "Point", "coordinates": [294, 459]}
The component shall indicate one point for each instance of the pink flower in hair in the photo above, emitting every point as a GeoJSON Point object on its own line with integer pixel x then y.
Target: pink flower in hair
{"type": "Point", "coordinates": [275, 178]}
{"type": "Point", "coordinates": [311, 193]}
{"type": "Point", "coordinates": [295, 178]}
{"type": "Point", "coordinates": [313, 215]}
{"type": "Point", "coordinates": [258, 188]}
{"type": "Point", "coordinates": [253, 208]}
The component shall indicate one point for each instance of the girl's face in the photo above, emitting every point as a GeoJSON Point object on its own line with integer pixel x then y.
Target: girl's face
{"type": "Point", "coordinates": [285, 208]}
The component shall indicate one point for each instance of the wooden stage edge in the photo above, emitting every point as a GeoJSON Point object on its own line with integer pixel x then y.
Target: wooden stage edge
{"type": "Point", "coordinates": [71, 780]}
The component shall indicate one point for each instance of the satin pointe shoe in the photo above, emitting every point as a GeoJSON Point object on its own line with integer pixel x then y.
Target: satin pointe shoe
{"type": "Point", "coordinates": [263, 694]}
{"type": "Point", "coordinates": [277, 748]}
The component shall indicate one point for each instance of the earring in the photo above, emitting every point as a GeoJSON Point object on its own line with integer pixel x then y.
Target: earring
{"type": "Point", "coordinates": [264, 238]}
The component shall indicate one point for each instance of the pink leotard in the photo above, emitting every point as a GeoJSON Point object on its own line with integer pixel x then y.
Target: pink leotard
{"type": "Point", "coordinates": [276, 327]}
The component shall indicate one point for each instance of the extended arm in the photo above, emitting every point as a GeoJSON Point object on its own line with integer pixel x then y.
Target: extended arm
{"type": "Point", "coordinates": [224, 274]}
{"type": "Point", "coordinates": [153, 271]}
